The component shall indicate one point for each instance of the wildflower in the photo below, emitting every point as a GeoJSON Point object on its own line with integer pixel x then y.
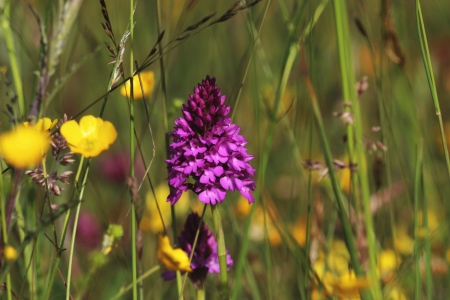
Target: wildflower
{"type": "Point", "coordinates": [207, 147]}
{"type": "Point", "coordinates": [10, 253]}
{"type": "Point", "coordinates": [112, 235]}
{"type": "Point", "coordinates": [44, 124]}
{"type": "Point", "coordinates": [89, 138]}
{"type": "Point", "coordinates": [403, 243]}
{"type": "Point", "coordinates": [23, 146]}
{"type": "Point", "coordinates": [205, 258]}
{"type": "Point", "coordinates": [151, 220]}
{"type": "Point", "coordinates": [388, 263]}
{"type": "Point", "coordinates": [148, 83]}
{"type": "Point", "coordinates": [116, 167]}
{"type": "Point", "coordinates": [89, 232]}
{"type": "Point", "coordinates": [174, 259]}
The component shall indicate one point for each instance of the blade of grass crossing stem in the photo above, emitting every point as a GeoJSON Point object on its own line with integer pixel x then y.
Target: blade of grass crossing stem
{"type": "Point", "coordinates": [348, 233]}
{"type": "Point", "coordinates": [430, 77]}
{"type": "Point", "coordinates": [417, 176]}
{"type": "Point", "coordinates": [349, 94]}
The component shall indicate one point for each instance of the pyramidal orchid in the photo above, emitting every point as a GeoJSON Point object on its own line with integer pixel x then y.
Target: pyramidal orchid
{"type": "Point", "coordinates": [207, 154]}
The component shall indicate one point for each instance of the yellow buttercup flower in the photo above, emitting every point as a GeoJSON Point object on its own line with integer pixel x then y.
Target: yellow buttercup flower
{"type": "Point", "coordinates": [148, 83]}
{"type": "Point", "coordinates": [89, 138]}
{"type": "Point", "coordinates": [44, 124]}
{"type": "Point", "coordinates": [24, 146]}
{"type": "Point", "coordinates": [348, 286]}
{"type": "Point", "coordinates": [174, 259]}
{"type": "Point", "coordinates": [10, 253]}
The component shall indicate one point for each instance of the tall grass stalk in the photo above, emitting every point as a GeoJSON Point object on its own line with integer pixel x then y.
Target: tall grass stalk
{"type": "Point", "coordinates": [356, 136]}
{"type": "Point", "coordinates": [348, 233]}
{"type": "Point", "coordinates": [290, 55]}
{"type": "Point", "coordinates": [132, 153]}
{"type": "Point", "coordinates": [4, 233]}
{"type": "Point", "coordinates": [5, 16]}
{"type": "Point", "coordinates": [417, 195]}
{"type": "Point", "coordinates": [430, 78]}
{"type": "Point", "coordinates": [74, 230]}
{"type": "Point", "coordinates": [79, 189]}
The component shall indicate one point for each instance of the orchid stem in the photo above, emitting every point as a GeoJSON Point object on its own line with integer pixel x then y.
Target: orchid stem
{"type": "Point", "coordinates": [224, 292]}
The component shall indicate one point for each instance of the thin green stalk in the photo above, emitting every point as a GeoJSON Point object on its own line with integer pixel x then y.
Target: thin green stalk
{"type": "Point", "coordinates": [427, 241]}
{"type": "Point", "coordinates": [4, 233]}
{"type": "Point", "coordinates": [430, 77]}
{"type": "Point", "coordinates": [57, 259]}
{"type": "Point", "coordinates": [222, 253]}
{"type": "Point", "coordinates": [132, 150]}
{"type": "Point", "coordinates": [74, 231]}
{"type": "Point", "coordinates": [417, 176]}
{"type": "Point", "coordinates": [349, 94]}
{"type": "Point", "coordinates": [348, 233]}
{"type": "Point", "coordinates": [291, 53]}
{"type": "Point", "coordinates": [5, 18]}
{"type": "Point", "coordinates": [139, 280]}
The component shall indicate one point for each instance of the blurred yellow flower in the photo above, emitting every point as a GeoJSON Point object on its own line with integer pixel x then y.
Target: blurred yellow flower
{"type": "Point", "coordinates": [174, 259]}
{"type": "Point", "coordinates": [23, 146]}
{"type": "Point", "coordinates": [433, 224]}
{"type": "Point", "coordinates": [393, 293]}
{"type": "Point", "coordinates": [10, 253]}
{"type": "Point", "coordinates": [44, 124]}
{"type": "Point", "coordinates": [403, 243]}
{"type": "Point", "coordinates": [348, 286]}
{"type": "Point", "coordinates": [151, 220]}
{"type": "Point", "coordinates": [299, 230]}
{"type": "Point", "coordinates": [388, 263]}
{"type": "Point", "coordinates": [345, 180]}
{"type": "Point", "coordinates": [338, 258]}
{"type": "Point", "coordinates": [89, 138]}
{"type": "Point", "coordinates": [148, 83]}
{"type": "Point", "coordinates": [262, 222]}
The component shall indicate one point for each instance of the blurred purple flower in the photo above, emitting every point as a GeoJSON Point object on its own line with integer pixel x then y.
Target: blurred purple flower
{"type": "Point", "coordinates": [116, 166]}
{"type": "Point", "coordinates": [207, 147]}
{"type": "Point", "coordinates": [205, 259]}
{"type": "Point", "coordinates": [89, 231]}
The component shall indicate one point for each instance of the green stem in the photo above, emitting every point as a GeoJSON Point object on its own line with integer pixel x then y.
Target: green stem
{"type": "Point", "coordinates": [349, 94]}
{"type": "Point", "coordinates": [4, 233]}
{"type": "Point", "coordinates": [74, 230]}
{"type": "Point", "coordinates": [57, 259]}
{"type": "Point", "coordinates": [201, 291]}
{"type": "Point", "coordinates": [430, 77]}
{"type": "Point", "coordinates": [133, 208]}
{"type": "Point", "coordinates": [348, 233]}
{"type": "Point", "coordinates": [416, 219]}
{"type": "Point", "coordinates": [222, 252]}
{"type": "Point", "coordinates": [9, 40]}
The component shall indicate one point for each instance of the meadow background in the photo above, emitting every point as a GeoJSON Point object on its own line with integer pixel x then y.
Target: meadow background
{"type": "Point", "coordinates": [274, 61]}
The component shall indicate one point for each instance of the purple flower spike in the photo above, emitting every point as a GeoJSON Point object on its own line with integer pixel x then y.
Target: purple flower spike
{"type": "Point", "coordinates": [208, 149]}
{"type": "Point", "coordinates": [205, 258]}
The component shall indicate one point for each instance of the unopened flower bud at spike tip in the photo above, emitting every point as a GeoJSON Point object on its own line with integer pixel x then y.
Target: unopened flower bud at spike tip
{"type": "Point", "coordinates": [207, 148]}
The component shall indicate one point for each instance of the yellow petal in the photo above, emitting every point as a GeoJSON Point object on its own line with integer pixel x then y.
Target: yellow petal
{"type": "Point", "coordinates": [173, 259]}
{"type": "Point", "coordinates": [24, 146]}
{"type": "Point", "coordinates": [71, 132]}
{"type": "Point", "coordinates": [10, 253]}
{"type": "Point", "coordinates": [148, 83]}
